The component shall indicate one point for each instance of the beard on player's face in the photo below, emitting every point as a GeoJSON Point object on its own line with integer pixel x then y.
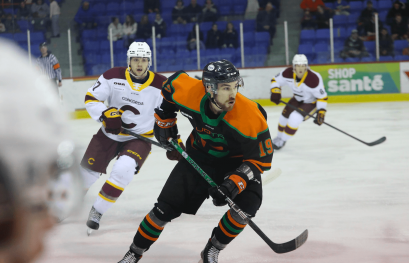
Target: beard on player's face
{"type": "Point", "coordinates": [226, 95]}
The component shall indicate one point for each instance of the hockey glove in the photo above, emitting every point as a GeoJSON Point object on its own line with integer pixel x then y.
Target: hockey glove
{"type": "Point", "coordinates": [234, 184]}
{"type": "Point", "coordinates": [175, 155]}
{"type": "Point", "coordinates": [320, 116]}
{"type": "Point", "coordinates": [165, 126]}
{"type": "Point", "coordinates": [111, 119]}
{"type": "Point", "coordinates": [275, 95]}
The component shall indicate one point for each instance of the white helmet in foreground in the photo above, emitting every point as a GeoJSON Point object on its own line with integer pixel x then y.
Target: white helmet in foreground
{"type": "Point", "coordinates": [140, 50]}
{"type": "Point", "coordinates": [300, 59]}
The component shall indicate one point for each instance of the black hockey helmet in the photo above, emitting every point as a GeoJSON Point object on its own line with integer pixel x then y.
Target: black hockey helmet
{"type": "Point", "coordinates": [222, 71]}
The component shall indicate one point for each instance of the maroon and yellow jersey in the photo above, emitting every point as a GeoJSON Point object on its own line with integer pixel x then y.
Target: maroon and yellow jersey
{"type": "Point", "coordinates": [240, 133]}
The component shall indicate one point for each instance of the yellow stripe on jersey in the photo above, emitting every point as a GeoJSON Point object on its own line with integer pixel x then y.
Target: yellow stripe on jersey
{"type": "Point", "coordinates": [302, 80]}
{"type": "Point", "coordinates": [90, 98]}
{"type": "Point", "coordinates": [323, 99]}
{"type": "Point", "coordinates": [273, 80]}
{"type": "Point", "coordinates": [141, 87]}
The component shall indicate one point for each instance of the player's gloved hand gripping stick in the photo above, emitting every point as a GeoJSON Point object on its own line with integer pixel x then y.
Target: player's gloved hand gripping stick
{"type": "Point", "coordinates": [278, 248]}
{"type": "Point", "coordinates": [320, 119]}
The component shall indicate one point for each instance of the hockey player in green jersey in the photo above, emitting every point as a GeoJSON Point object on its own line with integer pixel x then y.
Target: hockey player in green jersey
{"type": "Point", "coordinates": [230, 141]}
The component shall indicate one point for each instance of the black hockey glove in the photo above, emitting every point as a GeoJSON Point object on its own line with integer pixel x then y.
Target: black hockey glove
{"type": "Point", "coordinates": [320, 117]}
{"type": "Point", "coordinates": [234, 184]}
{"type": "Point", "coordinates": [111, 119]}
{"type": "Point", "coordinates": [165, 126]}
{"type": "Point", "coordinates": [175, 155]}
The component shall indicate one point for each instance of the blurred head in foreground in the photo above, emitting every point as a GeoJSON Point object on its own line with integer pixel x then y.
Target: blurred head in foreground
{"type": "Point", "coordinates": [39, 182]}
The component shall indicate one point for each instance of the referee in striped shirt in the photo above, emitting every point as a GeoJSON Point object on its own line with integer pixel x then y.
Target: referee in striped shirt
{"type": "Point", "coordinates": [49, 65]}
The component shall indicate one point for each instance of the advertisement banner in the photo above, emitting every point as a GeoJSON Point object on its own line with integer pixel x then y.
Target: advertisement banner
{"type": "Point", "coordinates": [404, 77]}
{"type": "Point", "coordinates": [354, 79]}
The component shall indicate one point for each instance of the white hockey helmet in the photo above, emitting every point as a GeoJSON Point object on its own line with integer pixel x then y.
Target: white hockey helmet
{"type": "Point", "coordinates": [140, 50]}
{"type": "Point", "coordinates": [300, 59]}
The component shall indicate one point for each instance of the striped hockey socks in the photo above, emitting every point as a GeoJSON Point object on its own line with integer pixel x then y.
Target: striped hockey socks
{"type": "Point", "coordinates": [107, 196]}
{"type": "Point", "coordinates": [148, 232]}
{"type": "Point", "coordinates": [228, 228]}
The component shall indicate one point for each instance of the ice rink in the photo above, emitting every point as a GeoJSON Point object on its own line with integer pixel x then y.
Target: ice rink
{"type": "Point", "coordinates": [353, 199]}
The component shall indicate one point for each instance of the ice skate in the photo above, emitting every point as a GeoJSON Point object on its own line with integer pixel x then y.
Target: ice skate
{"type": "Point", "coordinates": [278, 143]}
{"type": "Point", "coordinates": [93, 220]}
{"type": "Point", "coordinates": [210, 253]}
{"type": "Point", "coordinates": [130, 257]}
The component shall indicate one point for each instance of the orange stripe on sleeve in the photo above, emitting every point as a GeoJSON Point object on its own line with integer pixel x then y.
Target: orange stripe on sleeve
{"type": "Point", "coordinates": [234, 221]}
{"type": "Point", "coordinates": [225, 232]}
{"type": "Point", "coordinates": [145, 235]}
{"type": "Point", "coordinates": [166, 99]}
{"type": "Point", "coordinates": [56, 66]}
{"type": "Point", "coordinates": [153, 223]}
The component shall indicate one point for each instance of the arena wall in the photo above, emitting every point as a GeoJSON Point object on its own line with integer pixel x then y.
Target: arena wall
{"type": "Point", "coordinates": [344, 83]}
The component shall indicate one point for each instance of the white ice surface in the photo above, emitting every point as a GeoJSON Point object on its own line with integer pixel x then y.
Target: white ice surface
{"type": "Point", "coordinates": [353, 199]}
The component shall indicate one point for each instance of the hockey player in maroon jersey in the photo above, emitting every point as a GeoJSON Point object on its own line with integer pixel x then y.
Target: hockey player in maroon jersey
{"type": "Point", "coordinates": [309, 96]}
{"type": "Point", "coordinates": [230, 141]}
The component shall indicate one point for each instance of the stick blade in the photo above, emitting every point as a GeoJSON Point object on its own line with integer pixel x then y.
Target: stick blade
{"type": "Point", "coordinates": [291, 245]}
{"type": "Point", "coordinates": [381, 140]}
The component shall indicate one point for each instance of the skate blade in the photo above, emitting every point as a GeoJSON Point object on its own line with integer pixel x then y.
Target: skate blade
{"type": "Point", "coordinates": [89, 231]}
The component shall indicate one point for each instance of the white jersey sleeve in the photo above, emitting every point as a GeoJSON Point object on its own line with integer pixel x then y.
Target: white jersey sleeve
{"type": "Point", "coordinates": [320, 93]}
{"type": "Point", "coordinates": [278, 81]}
{"type": "Point", "coordinates": [95, 97]}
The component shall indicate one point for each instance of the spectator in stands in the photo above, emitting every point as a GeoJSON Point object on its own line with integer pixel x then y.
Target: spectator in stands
{"type": "Point", "coordinates": [144, 28]}
{"type": "Point", "coordinates": [266, 20]}
{"type": "Point", "coordinates": [193, 11]}
{"type": "Point", "coordinates": [54, 16]}
{"type": "Point", "coordinates": [2, 27]}
{"type": "Point", "coordinates": [160, 26]}
{"type": "Point", "coordinates": [311, 5]}
{"type": "Point", "coordinates": [370, 29]}
{"type": "Point", "coordinates": [191, 39]}
{"type": "Point", "coordinates": [322, 17]}
{"type": "Point", "coordinates": [308, 22]}
{"type": "Point", "coordinates": [129, 30]}
{"type": "Point", "coordinates": [178, 13]}
{"type": "Point", "coordinates": [11, 24]}
{"type": "Point", "coordinates": [399, 28]}
{"type": "Point", "coordinates": [210, 13]}
{"type": "Point", "coordinates": [40, 12]}
{"type": "Point", "coordinates": [341, 7]}
{"type": "Point", "coordinates": [262, 3]}
{"type": "Point", "coordinates": [367, 13]}
{"type": "Point", "coordinates": [214, 37]}
{"type": "Point", "coordinates": [230, 38]}
{"type": "Point", "coordinates": [397, 8]}
{"type": "Point", "coordinates": [85, 17]}
{"type": "Point", "coordinates": [23, 11]}
{"type": "Point", "coordinates": [385, 43]}
{"type": "Point", "coordinates": [354, 46]}
{"type": "Point", "coordinates": [2, 14]}
{"type": "Point", "coordinates": [152, 6]}
{"type": "Point", "coordinates": [116, 28]}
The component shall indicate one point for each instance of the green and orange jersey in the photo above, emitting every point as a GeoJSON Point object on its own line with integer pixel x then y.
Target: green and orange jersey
{"type": "Point", "coordinates": [240, 133]}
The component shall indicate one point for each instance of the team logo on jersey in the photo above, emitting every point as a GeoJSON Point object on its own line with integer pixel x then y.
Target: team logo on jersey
{"type": "Point", "coordinates": [167, 88]}
{"type": "Point", "coordinates": [119, 83]}
{"type": "Point", "coordinates": [91, 161]}
{"type": "Point", "coordinates": [132, 101]}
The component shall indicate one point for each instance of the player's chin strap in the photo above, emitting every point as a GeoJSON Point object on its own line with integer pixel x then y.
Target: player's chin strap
{"type": "Point", "coordinates": [137, 77]}
{"type": "Point", "coordinates": [214, 102]}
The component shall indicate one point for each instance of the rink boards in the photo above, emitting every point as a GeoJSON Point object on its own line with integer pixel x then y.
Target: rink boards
{"type": "Point", "coordinates": [358, 82]}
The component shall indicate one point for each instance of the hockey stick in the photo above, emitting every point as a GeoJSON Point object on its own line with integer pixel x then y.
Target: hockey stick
{"type": "Point", "coordinates": [278, 248]}
{"type": "Point", "coordinates": [379, 141]}
{"type": "Point", "coordinates": [266, 179]}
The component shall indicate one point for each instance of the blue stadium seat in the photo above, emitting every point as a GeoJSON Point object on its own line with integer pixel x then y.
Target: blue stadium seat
{"type": "Point", "coordinates": [307, 35]}
{"type": "Point", "coordinates": [385, 58]}
{"type": "Point", "coordinates": [338, 60]}
{"type": "Point", "coordinates": [168, 5]}
{"type": "Point", "coordinates": [21, 37]}
{"type": "Point", "coordinates": [24, 25]}
{"type": "Point", "coordinates": [322, 34]}
{"type": "Point", "coordinates": [382, 15]}
{"type": "Point", "coordinates": [322, 60]}
{"type": "Point", "coordinates": [321, 48]}
{"type": "Point", "coordinates": [401, 57]}
{"type": "Point", "coordinates": [103, 21]}
{"type": "Point", "coordinates": [248, 38]}
{"type": "Point", "coordinates": [329, 5]}
{"type": "Point", "coordinates": [92, 58]}
{"type": "Point", "coordinates": [113, 8]}
{"type": "Point", "coordinates": [7, 36]}
{"type": "Point", "coordinates": [90, 45]}
{"type": "Point", "coordinates": [239, 9]}
{"type": "Point", "coordinates": [221, 25]}
{"type": "Point", "coordinates": [305, 49]}
{"type": "Point", "coordinates": [368, 59]}
{"type": "Point", "coordinates": [340, 21]}
{"type": "Point", "coordinates": [127, 7]}
{"type": "Point", "coordinates": [88, 34]}
{"type": "Point", "coordinates": [400, 45]}
{"type": "Point", "coordinates": [340, 33]}
{"type": "Point", "coordinates": [352, 60]}
{"type": "Point", "coordinates": [352, 20]}
{"type": "Point", "coordinates": [370, 46]}
{"type": "Point", "coordinates": [338, 46]}
{"type": "Point", "coordinates": [385, 4]}
{"type": "Point", "coordinates": [357, 5]}
{"type": "Point", "coordinates": [205, 26]}
{"type": "Point", "coordinates": [249, 25]}
{"type": "Point", "coordinates": [106, 58]}
{"type": "Point", "coordinates": [99, 9]}
{"type": "Point", "coordinates": [104, 45]}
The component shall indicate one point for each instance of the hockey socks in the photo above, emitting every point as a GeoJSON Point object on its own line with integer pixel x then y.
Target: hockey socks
{"type": "Point", "coordinates": [228, 228]}
{"type": "Point", "coordinates": [107, 196]}
{"type": "Point", "coordinates": [148, 232]}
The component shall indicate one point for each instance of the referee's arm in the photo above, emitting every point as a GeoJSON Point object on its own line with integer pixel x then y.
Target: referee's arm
{"type": "Point", "coordinates": [57, 69]}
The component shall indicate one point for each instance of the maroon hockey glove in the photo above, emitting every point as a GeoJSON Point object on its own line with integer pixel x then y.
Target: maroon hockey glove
{"type": "Point", "coordinates": [233, 185]}
{"type": "Point", "coordinates": [275, 95]}
{"type": "Point", "coordinates": [111, 119]}
{"type": "Point", "coordinates": [175, 155]}
{"type": "Point", "coordinates": [319, 119]}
